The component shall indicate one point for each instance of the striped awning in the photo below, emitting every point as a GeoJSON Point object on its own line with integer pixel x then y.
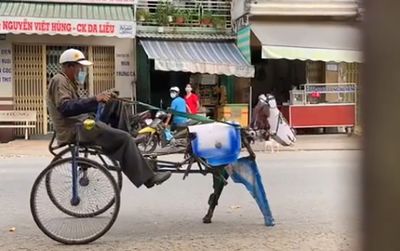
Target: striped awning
{"type": "Point", "coordinates": [222, 58]}
{"type": "Point", "coordinates": [67, 19]}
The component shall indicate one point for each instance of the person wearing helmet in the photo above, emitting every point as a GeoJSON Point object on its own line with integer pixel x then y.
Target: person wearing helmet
{"type": "Point", "coordinates": [177, 104]}
{"type": "Point", "coordinates": [67, 109]}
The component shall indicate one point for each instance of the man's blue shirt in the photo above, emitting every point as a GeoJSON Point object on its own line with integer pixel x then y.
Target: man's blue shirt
{"type": "Point", "coordinates": [178, 104]}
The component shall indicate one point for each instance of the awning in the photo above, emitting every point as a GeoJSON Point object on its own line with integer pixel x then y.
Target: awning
{"type": "Point", "coordinates": [222, 58]}
{"type": "Point", "coordinates": [305, 8]}
{"type": "Point", "coordinates": [314, 40]}
{"type": "Point", "coordinates": [67, 19]}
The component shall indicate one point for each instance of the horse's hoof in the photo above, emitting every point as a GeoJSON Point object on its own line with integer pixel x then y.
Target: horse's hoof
{"type": "Point", "coordinates": [206, 220]}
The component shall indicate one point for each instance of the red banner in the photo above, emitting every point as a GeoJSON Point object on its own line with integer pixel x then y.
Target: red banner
{"type": "Point", "coordinates": [127, 2]}
{"type": "Point", "coordinates": [76, 27]}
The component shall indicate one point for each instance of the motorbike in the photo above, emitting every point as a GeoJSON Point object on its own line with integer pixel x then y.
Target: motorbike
{"type": "Point", "coordinates": [156, 134]}
{"type": "Point", "coordinates": [139, 121]}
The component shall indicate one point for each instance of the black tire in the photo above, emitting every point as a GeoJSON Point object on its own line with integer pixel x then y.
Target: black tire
{"type": "Point", "coordinates": [148, 144]}
{"type": "Point", "coordinates": [65, 210]}
{"type": "Point", "coordinates": [69, 225]}
{"type": "Point", "coordinates": [116, 169]}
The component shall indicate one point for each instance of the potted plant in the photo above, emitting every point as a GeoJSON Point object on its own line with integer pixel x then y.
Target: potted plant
{"type": "Point", "coordinates": [180, 17]}
{"type": "Point", "coordinates": [142, 15]}
{"type": "Point", "coordinates": [219, 22]}
{"type": "Point", "coordinates": [164, 13]}
{"type": "Point", "coordinates": [206, 19]}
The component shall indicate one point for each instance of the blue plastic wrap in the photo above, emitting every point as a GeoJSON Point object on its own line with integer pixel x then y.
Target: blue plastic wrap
{"type": "Point", "coordinates": [219, 144]}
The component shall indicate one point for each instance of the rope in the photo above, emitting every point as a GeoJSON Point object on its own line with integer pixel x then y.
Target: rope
{"type": "Point", "coordinates": [177, 113]}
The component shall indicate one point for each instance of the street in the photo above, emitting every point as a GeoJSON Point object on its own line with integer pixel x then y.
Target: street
{"type": "Point", "coordinates": [314, 197]}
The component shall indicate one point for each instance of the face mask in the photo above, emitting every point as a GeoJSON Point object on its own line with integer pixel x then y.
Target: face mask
{"type": "Point", "coordinates": [81, 77]}
{"type": "Point", "coordinates": [173, 95]}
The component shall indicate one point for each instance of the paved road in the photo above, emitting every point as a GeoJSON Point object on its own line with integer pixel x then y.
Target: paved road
{"type": "Point", "coordinates": [313, 195]}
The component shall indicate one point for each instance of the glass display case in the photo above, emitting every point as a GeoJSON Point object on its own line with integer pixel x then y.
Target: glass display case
{"type": "Point", "coordinates": [322, 105]}
{"type": "Point", "coordinates": [326, 93]}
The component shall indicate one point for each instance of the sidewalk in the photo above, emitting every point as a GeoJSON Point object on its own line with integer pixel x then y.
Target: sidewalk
{"type": "Point", "coordinates": [321, 142]}
{"type": "Point", "coordinates": [38, 147]}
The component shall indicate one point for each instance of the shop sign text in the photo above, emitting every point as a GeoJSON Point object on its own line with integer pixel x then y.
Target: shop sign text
{"type": "Point", "coordinates": [68, 27]}
{"type": "Point", "coordinates": [127, 2]}
{"type": "Point", "coordinates": [124, 65]}
{"type": "Point", "coordinates": [5, 65]}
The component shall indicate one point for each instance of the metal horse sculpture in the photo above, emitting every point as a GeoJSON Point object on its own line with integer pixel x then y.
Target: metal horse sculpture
{"type": "Point", "coordinates": [221, 152]}
{"type": "Point", "coordinates": [245, 170]}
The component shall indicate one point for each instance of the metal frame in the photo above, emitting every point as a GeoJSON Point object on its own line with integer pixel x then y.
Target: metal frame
{"type": "Point", "coordinates": [219, 174]}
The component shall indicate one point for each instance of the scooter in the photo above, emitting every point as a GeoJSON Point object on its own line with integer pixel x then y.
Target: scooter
{"type": "Point", "coordinates": [157, 134]}
{"type": "Point", "coordinates": [139, 121]}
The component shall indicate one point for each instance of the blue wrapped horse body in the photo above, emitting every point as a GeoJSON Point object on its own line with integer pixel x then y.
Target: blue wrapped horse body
{"type": "Point", "coordinates": [219, 144]}
{"type": "Point", "coordinates": [245, 171]}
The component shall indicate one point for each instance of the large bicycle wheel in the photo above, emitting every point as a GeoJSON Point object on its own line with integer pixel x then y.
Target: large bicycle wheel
{"type": "Point", "coordinates": [85, 221]}
{"type": "Point", "coordinates": [101, 159]}
{"type": "Point", "coordinates": [86, 179]}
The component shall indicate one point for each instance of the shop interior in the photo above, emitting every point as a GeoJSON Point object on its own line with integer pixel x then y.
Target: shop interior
{"type": "Point", "coordinates": [276, 77]}
{"type": "Point", "coordinates": [208, 87]}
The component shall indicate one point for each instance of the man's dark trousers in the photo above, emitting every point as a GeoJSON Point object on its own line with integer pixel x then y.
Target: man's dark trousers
{"type": "Point", "coordinates": [120, 146]}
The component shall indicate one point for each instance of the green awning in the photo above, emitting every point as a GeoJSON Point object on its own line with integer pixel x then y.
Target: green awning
{"type": "Point", "coordinates": [67, 19]}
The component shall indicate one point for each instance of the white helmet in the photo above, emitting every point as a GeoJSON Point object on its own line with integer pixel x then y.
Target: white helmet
{"type": "Point", "coordinates": [74, 56]}
{"type": "Point", "coordinates": [262, 98]}
{"type": "Point", "coordinates": [174, 89]}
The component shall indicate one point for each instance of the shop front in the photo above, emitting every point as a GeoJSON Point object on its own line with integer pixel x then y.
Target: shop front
{"type": "Point", "coordinates": [312, 67]}
{"type": "Point", "coordinates": [35, 33]}
{"type": "Point", "coordinates": [212, 67]}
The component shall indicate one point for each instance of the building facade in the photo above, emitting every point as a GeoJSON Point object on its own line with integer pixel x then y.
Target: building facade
{"type": "Point", "coordinates": [181, 42]}
{"type": "Point", "coordinates": [296, 43]}
{"type": "Point", "coordinates": [34, 34]}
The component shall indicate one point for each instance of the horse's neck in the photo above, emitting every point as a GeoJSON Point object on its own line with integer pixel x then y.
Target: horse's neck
{"type": "Point", "coordinates": [274, 111]}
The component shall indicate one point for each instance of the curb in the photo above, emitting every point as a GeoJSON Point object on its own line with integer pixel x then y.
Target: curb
{"type": "Point", "coordinates": [311, 150]}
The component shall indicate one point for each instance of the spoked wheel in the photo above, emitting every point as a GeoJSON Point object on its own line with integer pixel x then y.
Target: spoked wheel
{"type": "Point", "coordinates": [101, 159]}
{"type": "Point", "coordinates": [87, 179]}
{"type": "Point", "coordinates": [148, 144]}
{"type": "Point", "coordinates": [77, 219]}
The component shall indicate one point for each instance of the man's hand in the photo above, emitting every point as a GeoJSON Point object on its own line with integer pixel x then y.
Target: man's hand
{"type": "Point", "coordinates": [114, 93]}
{"type": "Point", "coordinates": [103, 97]}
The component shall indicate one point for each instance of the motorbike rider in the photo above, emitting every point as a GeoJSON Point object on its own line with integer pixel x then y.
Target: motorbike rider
{"type": "Point", "coordinates": [177, 104]}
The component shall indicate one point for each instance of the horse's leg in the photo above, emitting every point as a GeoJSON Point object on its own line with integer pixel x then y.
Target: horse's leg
{"type": "Point", "coordinates": [218, 185]}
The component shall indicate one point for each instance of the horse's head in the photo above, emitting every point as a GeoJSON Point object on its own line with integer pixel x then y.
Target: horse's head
{"type": "Point", "coordinates": [271, 101]}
